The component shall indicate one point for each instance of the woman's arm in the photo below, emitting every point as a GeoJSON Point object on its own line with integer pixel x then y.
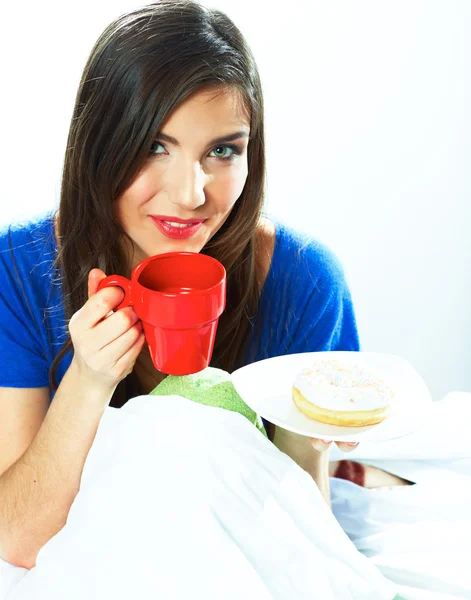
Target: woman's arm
{"type": "Point", "coordinates": [301, 450]}
{"type": "Point", "coordinates": [37, 490]}
{"type": "Point", "coordinates": [307, 308]}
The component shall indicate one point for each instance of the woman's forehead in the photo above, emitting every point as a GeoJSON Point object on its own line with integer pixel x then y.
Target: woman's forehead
{"type": "Point", "coordinates": [206, 108]}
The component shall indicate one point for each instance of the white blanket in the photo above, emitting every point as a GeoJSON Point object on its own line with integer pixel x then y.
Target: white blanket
{"type": "Point", "coordinates": [418, 536]}
{"type": "Point", "coordinates": [180, 500]}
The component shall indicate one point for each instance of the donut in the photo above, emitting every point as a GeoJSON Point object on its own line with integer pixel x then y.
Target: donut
{"type": "Point", "coordinates": [342, 392]}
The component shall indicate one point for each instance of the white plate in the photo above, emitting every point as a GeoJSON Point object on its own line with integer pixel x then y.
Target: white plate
{"type": "Point", "coordinates": [266, 387]}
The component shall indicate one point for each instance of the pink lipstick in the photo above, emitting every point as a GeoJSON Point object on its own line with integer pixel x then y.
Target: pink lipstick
{"type": "Point", "coordinates": [175, 228]}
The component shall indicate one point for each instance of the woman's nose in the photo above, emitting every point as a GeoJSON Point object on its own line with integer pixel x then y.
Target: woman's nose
{"type": "Point", "coordinates": [187, 189]}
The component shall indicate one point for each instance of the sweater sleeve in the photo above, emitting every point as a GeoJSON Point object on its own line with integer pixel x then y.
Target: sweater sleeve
{"type": "Point", "coordinates": [23, 361]}
{"type": "Point", "coordinates": [325, 318]}
{"type": "Point", "coordinates": [306, 305]}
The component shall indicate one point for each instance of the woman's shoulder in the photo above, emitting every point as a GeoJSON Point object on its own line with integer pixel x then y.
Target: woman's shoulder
{"type": "Point", "coordinates": [297, 254]}
{"type": "Point", "coordinates": [27, 253]}
{"type": "Point", "coordinates": [24, 228]}
{"type": "Point", "coordinates": [266, 240]}
{"type": "Point", "coordinates": [305, 304]}
{"type": "Point", "coordinates": [27, 239]}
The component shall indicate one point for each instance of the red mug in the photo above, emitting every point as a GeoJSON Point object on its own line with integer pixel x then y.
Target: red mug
{"type": "Point", "coordinates": [179, 298]}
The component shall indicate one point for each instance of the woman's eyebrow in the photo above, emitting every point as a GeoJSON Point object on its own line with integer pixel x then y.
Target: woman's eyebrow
{"type": "Point", "coordinates": [221, 140]}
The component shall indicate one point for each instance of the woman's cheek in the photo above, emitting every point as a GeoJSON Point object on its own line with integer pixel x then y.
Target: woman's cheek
{"type": "Point", "coordinates": [229, 188]}
{"type": "Point", "coordinates": [144, 187]}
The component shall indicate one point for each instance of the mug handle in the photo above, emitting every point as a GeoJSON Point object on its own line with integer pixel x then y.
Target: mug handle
{"type": "Point", "coordinates": [118, 281]}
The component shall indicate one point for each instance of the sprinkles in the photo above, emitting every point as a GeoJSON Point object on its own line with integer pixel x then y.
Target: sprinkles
{"type": "Point", "coordinates": [343, 385]}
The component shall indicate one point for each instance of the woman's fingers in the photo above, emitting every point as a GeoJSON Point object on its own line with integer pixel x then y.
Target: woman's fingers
{"type": "Point", "coordinates": [118, 358]}
{"type": "Point", "coordinates": [106, 341]}
{"type": "Point", "coordinates": [347, 446]}
{"type": "Point", "coordinates": [320, 445]}
{"type": "Point", "coordinates": [125, 363]}
{"type": "Point", "coordinates": [94, 278]}
{"type": "Point", "coordinates": [98, 306]}
{"type": "Point", "coordinates": [95, 327]}
{"type": "Point", "coordinates": [115, 325]}
{"type": "Point", "coordinates": [323, 445]}
{"type": "Point", "coordinates": [119, 345]}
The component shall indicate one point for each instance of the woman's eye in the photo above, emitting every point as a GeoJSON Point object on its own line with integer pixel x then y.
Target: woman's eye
{"type": "Point", "coordinates": [154, 146]}
{"type": "Point", "coordinates": [223, 151]}
{"type": "Point", "coordinates": [226, 152]}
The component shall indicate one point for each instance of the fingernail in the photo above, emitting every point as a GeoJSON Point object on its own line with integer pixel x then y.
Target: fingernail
{"type": "Point", "coordinates": [326, 441]}
{"type": "Point", "coordinates": [352, 443]}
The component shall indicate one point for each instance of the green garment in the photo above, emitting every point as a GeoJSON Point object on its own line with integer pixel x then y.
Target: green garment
{"type": "Point", "coordinates": [212, 387]}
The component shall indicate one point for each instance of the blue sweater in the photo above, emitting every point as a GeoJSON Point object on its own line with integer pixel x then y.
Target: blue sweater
{"type": "Point", "coordinates": [305, 304]}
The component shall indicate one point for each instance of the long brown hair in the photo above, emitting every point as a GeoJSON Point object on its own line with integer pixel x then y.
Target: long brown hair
{"type": "Point", "coordinates": [143, 66]}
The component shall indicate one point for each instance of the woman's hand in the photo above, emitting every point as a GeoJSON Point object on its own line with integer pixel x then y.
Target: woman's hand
{"type": "Point", "coordinates": [304, 450]}
{"type": "Point", "coordinates": [311, 454]}
{"type": "Point", "coordinates": [323, 445]}
{"type": "Point", "coordinates": [106, 344]}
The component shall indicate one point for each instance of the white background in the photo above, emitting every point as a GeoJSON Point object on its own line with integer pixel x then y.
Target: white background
{"type": "Point", "coordinates": [368, 141]}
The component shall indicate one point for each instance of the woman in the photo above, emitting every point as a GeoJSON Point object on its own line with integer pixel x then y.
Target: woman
{"type": "Point", "coordinates": [165, 152]}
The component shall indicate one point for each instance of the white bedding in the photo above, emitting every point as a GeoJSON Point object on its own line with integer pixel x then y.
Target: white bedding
{"type": "Point", "coordinates": [181, 500]}
{"type": "Point", "coordinates": [418, 536]}
{"type": "Point", "coordinates": [169, 506]}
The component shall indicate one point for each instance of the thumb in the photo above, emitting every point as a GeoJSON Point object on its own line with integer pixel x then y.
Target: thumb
{"type": "Point", "coordinates": [320, 445]}
{"type": "Point", "coordinates": [94, 278]}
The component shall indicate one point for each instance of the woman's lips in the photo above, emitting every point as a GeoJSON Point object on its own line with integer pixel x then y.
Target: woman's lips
{"type": "Point", "coordinates": [177, 229]}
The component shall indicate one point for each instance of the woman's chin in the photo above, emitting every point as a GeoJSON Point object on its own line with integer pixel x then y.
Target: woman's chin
{"type": "Point", "coordinates": [181, 246]}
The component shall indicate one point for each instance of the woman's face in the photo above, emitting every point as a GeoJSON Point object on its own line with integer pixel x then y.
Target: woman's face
{"type": "Point", "coordinates": [196, 171]}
